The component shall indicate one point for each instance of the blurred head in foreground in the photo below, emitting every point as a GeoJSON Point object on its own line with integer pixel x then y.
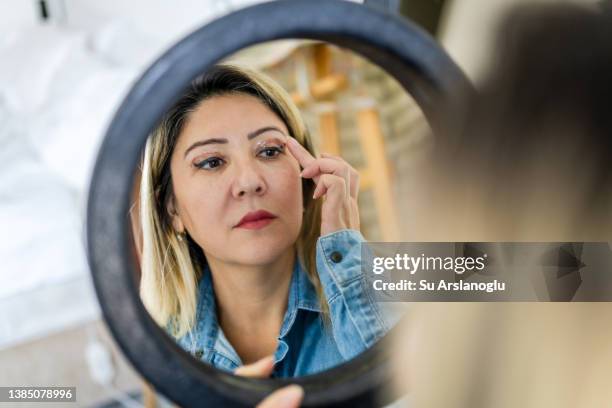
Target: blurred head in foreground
{"type": "Point", "coordinates": [532, 163]}
{"type": "Point", "coordinates": [532, 160]}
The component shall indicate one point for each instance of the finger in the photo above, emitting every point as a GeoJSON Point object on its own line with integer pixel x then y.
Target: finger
{"type": "Point", "coordinates": [320, 189]}
{"type": "Point", "coordinates": [287, 397]}
{"type": "Point", "coordinates": [259, 369]}
{"type": "Point", "coordinates": [353, 178]}
{"type": "Point", "coordinates": [328, 166]}
{"type": "Point", "coordinates": [300, 153]}
{"type": "Point", "coordinates": [333, 187]}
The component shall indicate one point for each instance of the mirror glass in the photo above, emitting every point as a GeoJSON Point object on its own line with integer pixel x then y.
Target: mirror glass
{"type": "Point", "coordinates": [254, 199]}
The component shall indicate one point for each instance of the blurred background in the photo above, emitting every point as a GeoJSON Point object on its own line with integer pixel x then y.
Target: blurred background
{"type": "Point", "coordinates": [65, 66]}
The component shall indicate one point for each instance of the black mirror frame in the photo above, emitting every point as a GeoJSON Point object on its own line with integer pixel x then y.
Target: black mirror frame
{"type": "Point", "coordinates": [405, 51]}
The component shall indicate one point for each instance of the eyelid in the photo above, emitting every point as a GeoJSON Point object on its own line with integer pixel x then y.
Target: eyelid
{"type": "Point", "coordinates": [266, 143]}
{"type": "Point", "coordinates": [205, 156]}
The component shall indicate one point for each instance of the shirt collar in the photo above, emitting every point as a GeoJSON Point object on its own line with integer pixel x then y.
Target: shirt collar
{"type": "Point", "coordinates": [206, 322]}
{"type": "Point", "coordinates": [307, 298]}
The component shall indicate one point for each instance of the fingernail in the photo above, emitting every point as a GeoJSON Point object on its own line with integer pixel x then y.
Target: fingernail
{"type": "Point", "coordinates": [292, 140]}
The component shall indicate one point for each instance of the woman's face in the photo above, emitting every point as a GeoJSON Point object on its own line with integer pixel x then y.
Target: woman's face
{"type": "Point", "coordinates": [230, 160]}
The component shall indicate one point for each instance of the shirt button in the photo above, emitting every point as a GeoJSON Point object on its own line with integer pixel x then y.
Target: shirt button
{"type": "Point", "coordinates": [198, 354]}
{"type": "Point", "coordinates": [336, 256]}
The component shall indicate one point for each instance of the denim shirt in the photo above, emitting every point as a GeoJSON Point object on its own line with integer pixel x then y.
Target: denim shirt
{"type": "Point", "coordinates": [305, 344]}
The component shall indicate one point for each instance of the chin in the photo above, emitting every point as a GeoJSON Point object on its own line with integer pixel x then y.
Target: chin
{"type": "Point", "coordinates": [264, 249]}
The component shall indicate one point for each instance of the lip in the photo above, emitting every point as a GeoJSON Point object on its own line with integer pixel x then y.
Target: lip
{"type": "Point", "coordinates": [255, 219]}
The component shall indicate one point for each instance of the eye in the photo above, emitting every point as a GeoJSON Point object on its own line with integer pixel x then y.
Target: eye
{"type": "Point", "coordinates": [209, 164]}
{"type": "Point", "coordinates": [271, 152]}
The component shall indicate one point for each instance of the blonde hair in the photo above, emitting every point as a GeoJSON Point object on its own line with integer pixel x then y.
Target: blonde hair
{"type": "Point", "coordinates": [171, 268]}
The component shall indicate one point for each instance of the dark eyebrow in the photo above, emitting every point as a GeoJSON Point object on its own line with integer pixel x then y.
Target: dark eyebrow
{"type": "Point", "coordinates": [250, 136]}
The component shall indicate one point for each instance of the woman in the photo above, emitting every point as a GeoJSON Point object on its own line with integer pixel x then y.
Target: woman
{"type": "Point", "coordinates": [244, 256]}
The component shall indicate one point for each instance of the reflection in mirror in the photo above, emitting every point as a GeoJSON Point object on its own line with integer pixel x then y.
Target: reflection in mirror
{"type": "Point", "coordinates": [252, 201]}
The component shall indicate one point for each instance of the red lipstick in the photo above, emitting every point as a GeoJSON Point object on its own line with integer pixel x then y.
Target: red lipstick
{"type": "Point", "coordinates": [255, 220]}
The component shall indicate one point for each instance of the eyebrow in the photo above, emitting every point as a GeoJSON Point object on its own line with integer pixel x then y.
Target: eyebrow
{"type": "Point", "coordinates": [250, 136]}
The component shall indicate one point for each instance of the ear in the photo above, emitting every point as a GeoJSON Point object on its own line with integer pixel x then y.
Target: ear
{"type": "Point", "coordinates": [175, 218]}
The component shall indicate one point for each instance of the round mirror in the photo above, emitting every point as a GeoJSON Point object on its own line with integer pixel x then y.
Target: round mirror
{"type": "Point", "coordinates": [234, 254]}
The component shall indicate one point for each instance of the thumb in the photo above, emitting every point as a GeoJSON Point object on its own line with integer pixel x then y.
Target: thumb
{"type": "Point", "coordinates": [287, 397]}
{"type": "Point", "coordinates": [259, 369]}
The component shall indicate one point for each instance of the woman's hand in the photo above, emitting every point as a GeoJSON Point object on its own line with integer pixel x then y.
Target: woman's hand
{"type": "Point", "coordinates": [287, 397]}
{"type": "Point", "coordinates": [338, 183]}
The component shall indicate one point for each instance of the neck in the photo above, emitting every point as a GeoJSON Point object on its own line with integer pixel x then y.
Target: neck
{"type": "Point", "coordinates": [252, 298]}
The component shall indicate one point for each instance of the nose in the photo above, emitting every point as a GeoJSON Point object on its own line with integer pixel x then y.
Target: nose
{"type": "Point", "coordinates": [248, 181]}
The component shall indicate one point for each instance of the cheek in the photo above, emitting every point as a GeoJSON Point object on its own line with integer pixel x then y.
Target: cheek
{"type": "Point", "coordinates": [201, 204]}
{"type": "Point", "coordinates": [286, 184]}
